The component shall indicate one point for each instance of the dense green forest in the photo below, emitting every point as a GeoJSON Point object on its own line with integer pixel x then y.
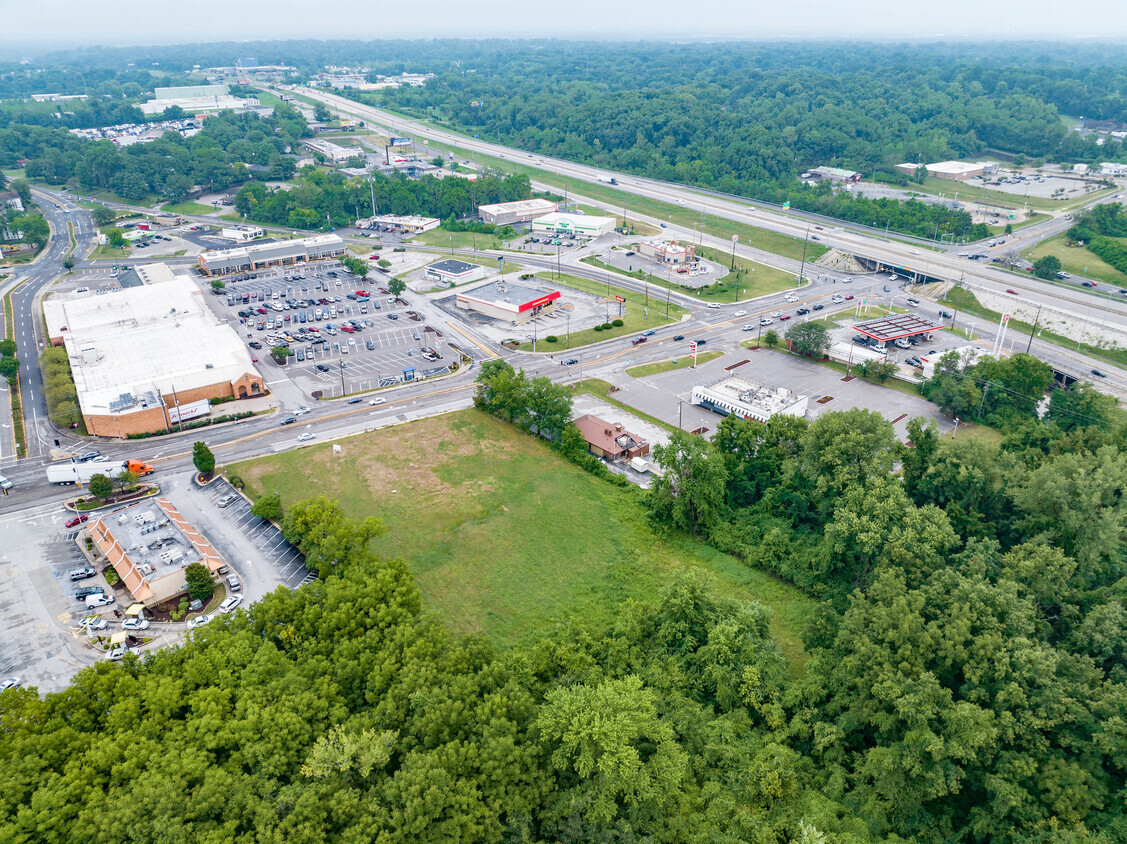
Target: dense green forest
{"type": "Point", "coordinates": [966, 680]}
{"type": "Point", "coordinates": [317, 197]}
{"type": "Point", "coordinates": [170, 166]}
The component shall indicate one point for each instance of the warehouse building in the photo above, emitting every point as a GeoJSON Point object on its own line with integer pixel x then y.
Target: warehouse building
{"type": "Point", "coordinates": [147, 356]}
{"type": "Point", "coordinates": [333, 153]}
{"type": "Point", "coordinates": [668, 253]}
{"type": "Point", "coordinates": [452, 271]}
{"type": "Point", "coordinates": [558, 224]}
{"type": "Point", "coordinates": [953, 170]}
{"type": "Point", "coordinates": [511, 302]}
{"type": "Point", "coordinates": [521, 211]}
{"type": "Point", "coordinates": [149, 545]}
{"type": "Point", "coordinates": [277, 254]}
{"type": "Point", "coordinates": [194, 99]}
{"type": "Point", "coordinates": [749, 400]}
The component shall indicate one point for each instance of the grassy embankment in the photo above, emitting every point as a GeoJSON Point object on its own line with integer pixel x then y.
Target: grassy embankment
{"type": "Point", "coordinates": [18, 432]}
{"type": "Point", "coordinates": [1077, 260]}
{"type": "Point", "coordinates": [504, 537]}
{"type": "Point", "coordinates": [661, 366]}
{"type": "Point", "coordinates": [966, 302]}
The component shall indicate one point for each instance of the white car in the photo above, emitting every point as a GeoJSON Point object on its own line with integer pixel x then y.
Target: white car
{"type": "Point", "coordinates": [713, 306]}
{"type": "Point", "coordinates": [377, 401]}
{"type": "Point", "coordinates": [10, 683]}
{"type": "Point", "coordinates": [93, 622]}
{"type": "Point", "coordinates": [749, 327]}
{"type": "Point", "coordinates": [740, 313]}
{"type": "Point", "coordinates": [301, 411]}
{"type": "Point", "coordinates": [306, 437]}
{"type": "Point", "coordinates": [135, 624]}
{"type": "Point", "coordinates": [915, 252]}
{"type": "Point", "coordinates": [199, 621]}
{"type": "Point", "coordinates": [117, 653]}
{"type": "Point", "coordinates": [231, 604]}
{"type": "Point", "coordinates": [766, 321]}
{"type": "Point", "coordinates": [776, 314]}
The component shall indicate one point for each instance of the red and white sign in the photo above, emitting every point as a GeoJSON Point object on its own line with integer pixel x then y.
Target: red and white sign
{"type": "Point", "coordinates": [692, 345]}
{"type": "Point", "coordinates": [1005, 318]}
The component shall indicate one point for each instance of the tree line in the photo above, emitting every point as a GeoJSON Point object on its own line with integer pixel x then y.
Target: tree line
{"type": "Point", "coordinates": [965, 679]}
{"type": "Point", "coordinates": [171, 166]}
{"type": "Point", "coordinates": [319, 199]}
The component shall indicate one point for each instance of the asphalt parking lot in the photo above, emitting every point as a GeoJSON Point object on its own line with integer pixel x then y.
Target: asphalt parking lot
{"type": "Point", "coordinates": [402, 347]}
{"type": "Point", "coordinates": [275, 552]}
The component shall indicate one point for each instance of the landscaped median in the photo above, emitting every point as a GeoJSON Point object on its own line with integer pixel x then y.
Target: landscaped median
{"type": "Point", "coordinates": [661, 366]}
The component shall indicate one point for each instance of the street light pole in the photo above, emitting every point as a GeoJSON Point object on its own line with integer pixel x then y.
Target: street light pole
{"type": "Point", "coordinates": [340, 365]}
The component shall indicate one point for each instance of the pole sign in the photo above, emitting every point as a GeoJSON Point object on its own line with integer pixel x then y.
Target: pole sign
{"type": "Point", "coordinates": [692, 346]}
{"type": "Point", "coordinates": [620, 300]}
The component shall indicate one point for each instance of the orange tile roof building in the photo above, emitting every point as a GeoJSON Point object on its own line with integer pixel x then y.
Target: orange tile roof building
{"type": "Point", "coordinates": [610, 439]}
{"type": "Point", "coordinates": [149, 544]}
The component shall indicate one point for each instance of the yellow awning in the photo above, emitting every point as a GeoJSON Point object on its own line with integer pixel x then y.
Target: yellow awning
{"type": "Point", "coordinates": [118, 638]}
{"type": "Point", "coordinates": [136, 609]}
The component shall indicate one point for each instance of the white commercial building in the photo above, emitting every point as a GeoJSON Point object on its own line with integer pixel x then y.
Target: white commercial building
{"type": "Point", "coordinates": [194, 99]}
{"type": "Point", "coordinates": [140, 354]}
{"type": "Point", "coordinates": [453, 271]}
{"type": "Point", "coordinates": [955, 170]}
{"type": "Point", "coordinates": [732, 395]}
{"type": "Point", "coordinates": [407, 225]}
{"type": "Point", "coordinates": [572, 225]}
{"type": "Point", "coordinates": [521, 211]}
{"type": "Point", "coordinates": [335, 153]}
{"type": "Point", "coordinates": [241, 234]}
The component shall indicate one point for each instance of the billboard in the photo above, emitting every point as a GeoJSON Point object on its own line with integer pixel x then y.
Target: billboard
{"type": "Point", "coordinates": [398, 142]}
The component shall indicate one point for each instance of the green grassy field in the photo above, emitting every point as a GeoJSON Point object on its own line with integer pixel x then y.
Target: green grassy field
{"type": "Point", "coordinates": [636, 318]}
{"type": "Point", "coordinates": [1078, 261]}
{"type": "Point", "coordinates": [504, 537]}
{"type": "Point", "coordinates": [661, 366]}
{"type": "Point", "coordinates": [461, 240]}
{"type": "Point", "coordinates": [109, 253]}
{"type": "Point", "coordinates": [188, 207]}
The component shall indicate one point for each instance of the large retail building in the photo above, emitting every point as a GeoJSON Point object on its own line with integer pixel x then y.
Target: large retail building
{"type": "Point", "coordinates": [572, 225]}
{"type": "Point", "coordinates": [521, 211]}
{"type": "Point", "coordinates": [280, 253]}
{"type": "Point", "coordinates": [146, 357]}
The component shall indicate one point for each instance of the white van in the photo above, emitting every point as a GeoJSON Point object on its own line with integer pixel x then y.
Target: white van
{"type": "Point", "coordinates": [98, 600]}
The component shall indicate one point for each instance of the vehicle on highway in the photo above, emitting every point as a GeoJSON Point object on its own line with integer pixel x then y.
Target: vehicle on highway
{"type": "Point", "coordinates": [5, 483]}
{"type": "Point", "coordinates": [89, 455]}
{"type": "Point", "coordinates": [784, 317]}
{"type": "Point", "coordinates": [740, 313]}
{"type": "Point", "coordinates": [135, 624]}
{"type": "Point", "coordinates": [700, 342]}
{"type": "Point", "coordinates": [649, 332]}
{"type": "Point", "coordinates": [818, 307]}
{"type": "Point", "coordinates": [77, 520]}
{"type": "Point", "coordinates": [638, 340]}
{"type": "Point", "coordinates": [1011, 292]}
{"type": "Point", "coordinates": [714, 306]}
{"type": "Point", "coordinates": [301, 411]}
{"type": "Point", "coordinates": [1099, 374]}
{"type": "Point", "coordinates": [355, 400]}
{"type": "Point", "coordinates": [1087, 284]}
{"type": "Point", "coordinates": [914, 303]}
{"type": "Point", "coordinates": [766, 321]}
{"type": "Point", "coordinates": [377, 401]}
{"type": "Point", "coordinates": [305, 436]}
{"type": "Point", "coordinates": [749, 327]}
{"type": "Point", "coordinates": [802, 311]}
{"type": "Point", "coordinates": [675, 337]}
{"type": "Point", "coordinates": [287, 420]}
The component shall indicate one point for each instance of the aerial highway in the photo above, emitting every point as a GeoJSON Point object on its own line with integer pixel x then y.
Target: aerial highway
{"type": "Point", "coordinates": [906, 253]}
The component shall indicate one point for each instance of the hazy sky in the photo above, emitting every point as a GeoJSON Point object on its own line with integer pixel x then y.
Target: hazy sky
{"type": "Point", "coordinates": [66, 23]}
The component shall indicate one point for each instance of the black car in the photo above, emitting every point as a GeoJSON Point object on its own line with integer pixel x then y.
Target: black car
{"type": "Point", "coordinates": [678, 336]}
{"type": "Point", "coordinates": [860, 339]}
{"type": "Point", "coordinates": [355, 400]}
{"type": "Point", "coordinates": [945, 315]}
{"type": "Point", "coordinates": [81, 593]}
{"type": "Point", "coordinates": [700, 342]}
{"type": "Point", "coordinates": [571, 362]}
{"type": "Point", "coordinates": [818, 307]}
{"type": "Point", "coordinates": [1099, 374]}
{"type": "Point", "coordinates": [802, 311]}
{"type": "Point", "coordinates": [322, 367]}
{"type": "Point", "coordinates": [914, 362]}
{"type": "Point", "coordinates": [370, 345]}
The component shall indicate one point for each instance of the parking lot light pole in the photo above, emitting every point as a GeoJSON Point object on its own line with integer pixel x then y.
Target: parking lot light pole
{"type": "Point", "coordinates": [568, 318]}
{"type": "Point", "coordinates": [340, 365]}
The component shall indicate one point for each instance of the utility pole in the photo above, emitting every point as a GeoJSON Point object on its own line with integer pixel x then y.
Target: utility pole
{"type": "Point", "coordinates": [1034, 329]}
{"type": "Point", "coordinates": [802, 266]}
{"type": "Point", "coordinates": [340, 365]}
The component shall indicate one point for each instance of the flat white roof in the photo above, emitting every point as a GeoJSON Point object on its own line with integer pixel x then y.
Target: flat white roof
{"type": "Point", "coordinates": [144, 340]}
{"type": "Point", "coordinates": [519, 205]}
{"type": "Point", "coordinates": [953, 167]}
{"type": "Point", "coordinates": [581, 222]}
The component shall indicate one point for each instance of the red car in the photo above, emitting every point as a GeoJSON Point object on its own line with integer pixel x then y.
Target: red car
{"type": "Point", "coordinates": [850, 296]}
{"type": "Point", "coordinates": [347, 329]}
{"type": "Point", "coordinates": [1011, 292]}
{"type": "Point", "coordinates": [784, 317]}
{"type": "Point", "coordinates": [77, 520]}
{"type": "Point", "coordinates": [260, 310]}
{"type": "Point", "coordinates": [361, 292]}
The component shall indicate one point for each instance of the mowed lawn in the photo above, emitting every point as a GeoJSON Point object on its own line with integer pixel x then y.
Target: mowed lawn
{"type": "Point", "coordinates": [504, 537]}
